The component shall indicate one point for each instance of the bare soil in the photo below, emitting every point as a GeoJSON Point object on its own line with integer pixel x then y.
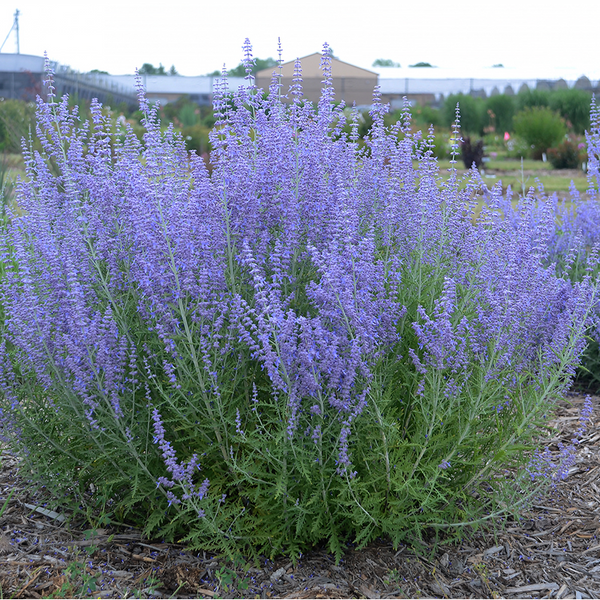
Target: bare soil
{"type": "Point", "coordinates": [552, 551]}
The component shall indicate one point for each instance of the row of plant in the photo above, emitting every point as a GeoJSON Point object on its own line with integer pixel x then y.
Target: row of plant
{"type": "Point", "coordinates": [497, 113]}
{"type": "Point", "coordinates": [532, 123]}
{"type": "Point", "coordinates": [312, 343]}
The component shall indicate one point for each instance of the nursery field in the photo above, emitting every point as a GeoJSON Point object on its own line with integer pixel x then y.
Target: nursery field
{"type": "Point", "coordinates": [318, 362]}
{"type": "Point", "coordinates": [509, 172]}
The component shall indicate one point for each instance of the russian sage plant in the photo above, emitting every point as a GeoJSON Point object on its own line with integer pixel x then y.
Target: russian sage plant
{"type": "Point", "coordinates": [314, 342]}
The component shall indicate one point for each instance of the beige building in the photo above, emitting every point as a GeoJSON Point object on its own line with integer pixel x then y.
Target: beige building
{"type": "Point", "coordinates": [351, 84]}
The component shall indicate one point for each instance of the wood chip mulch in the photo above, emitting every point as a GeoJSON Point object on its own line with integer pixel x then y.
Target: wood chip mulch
{"type": "Point", "coordinates": [553, 551]}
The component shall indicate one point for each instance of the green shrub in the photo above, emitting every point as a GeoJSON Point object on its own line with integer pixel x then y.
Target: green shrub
{"type": "Point", "coordinates": [540, 128]}
{"type": "Point", "coordinates": [573, 106]}
{"type": "Point", "coordinates": [472, 112]}
{"type": "Point", "coordinates": [17, 119]}
{"type": "Point", "coordinates": [531, 98]}
{"type": "Point", "coordinates": [189, 115]}
{"type": "Point", "coordinates": [7, 186]}
{"type": "Point", "coordinates": [517, 148]}
{"type": "Point", "coordinates": [500, 110]}
{"type": "Point", "coordinates": [196, 138]}
{"type": "Point", "coordinates": [569, 154]}
{"type": "Point", "coordinates": [426, 115]}
{"type": "Point", "coordinates": [440, 147]}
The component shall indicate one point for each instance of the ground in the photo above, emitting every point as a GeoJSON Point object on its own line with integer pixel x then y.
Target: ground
{"type": "Point", "coordinates": [552, 551]}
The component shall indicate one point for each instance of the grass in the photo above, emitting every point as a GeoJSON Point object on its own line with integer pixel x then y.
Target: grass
{"type": "Point", "coordinates": [502, 164]}
{"type": "Point", "coordinates": [514, 164]}
{"type": "Point", "coordinates": [512, 175]}
{"type": "Point", "coordinates": [552, 183]}
{"type": "Point", "coordinates": [13, 164]}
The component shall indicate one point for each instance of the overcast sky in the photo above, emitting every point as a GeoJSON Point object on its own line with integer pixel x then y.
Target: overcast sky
{"type": "Point", "coordinates": [199, 36]}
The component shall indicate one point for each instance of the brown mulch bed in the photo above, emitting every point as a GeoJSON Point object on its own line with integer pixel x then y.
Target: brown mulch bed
{"type": "Point", "coordinates": [553, 551]}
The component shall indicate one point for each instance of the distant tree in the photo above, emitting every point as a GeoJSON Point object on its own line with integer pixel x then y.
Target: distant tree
{"type": "Point", "coordinates": [173, 70]}
{"type": "Point", "coordinates": [540, 128]}
{"type": "Point", "coordinates": [472, 112]}
{"type": "Point", "coordinates": [149, 69]}
{"type": "Point", "coordinates": [385, 62]}
{"type": "Point", "coordinates": [239, 71]}
{"type": "Point", "coordinates": [259, 64]}
{"type": "Point", "coordinates": [573, 106]}
{"type": "Point", "coordinates": [500, 110]}
{"type": "Point", "coordinates": [99, 72]}
{"type": "Point", "coordinates": [421, 64]}
{"type": "Point", "coordinates": [498, 66]}
{"type": "Point", "coordinates": [529, 98]}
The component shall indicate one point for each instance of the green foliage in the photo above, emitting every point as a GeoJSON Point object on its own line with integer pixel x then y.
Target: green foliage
{"type": "Point", "coordinates": [588, 375]}
{"type": "Point", "coordinates": [259, 65]}
{"type": "Point", "coordinates": [471, 112]}
{"type": "Point", "coordinates": [420, 65]}
{"type": "Point", "coordinates": [440, 148]}
{"type": "Point", "coordinates": [149, 69]}
{"type": "Point", "coordinates": [17, 120]}
{"type": "Point", "coordinates": [424, 116]}
{"type": "Point", "coordinates": [574, 106]}
{"type": "Point", "coordinates": [193, 121]}
{"type": "Point", "coordinates": [5, 503]}
{"type": "Point", "coordinates": [78, 581]}
{"type": "Point", "coordinates": [396, 448]}
{"type": "Point", "coordinates": [517, 148]}
{"type": "Point", "coordinates": [365, 122]}
{"type": "Point", "coordinates": [189, 115]}
{"type": "Point", "coordinates": [500, 110]}
{"type": "Point", "coordinates": [567, 155]}
{"type": "Point", "coordinates": [385, 62]}
{"type": "Point", "coordinates": [540, 128]}
{"type": "Point", "coordinates": [196, 138]}
{"type": "Point", "coordinates": [229, 580]}
{"type": "Point", "coordinates": [532, 98]}
{"type": "Point", "coordinates": [7, 185]}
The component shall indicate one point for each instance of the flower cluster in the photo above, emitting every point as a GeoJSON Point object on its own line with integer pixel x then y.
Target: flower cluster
{"type": "Point", "coordinates": [182, 476]}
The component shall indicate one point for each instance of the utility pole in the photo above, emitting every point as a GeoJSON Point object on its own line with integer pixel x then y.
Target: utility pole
{"type": "Point", "coordinates": [15, 26]}
{"type": "Point", "coordinates": [17, 30]}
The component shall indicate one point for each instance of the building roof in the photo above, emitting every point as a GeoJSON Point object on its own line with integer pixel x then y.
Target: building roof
{"type": "Point", "coordinates": [16, 63]}
{"type": "Point", "coordinates": [177, 84]}
{"type": "Point", "coordinates": [525, 73]}
{"type": "Point", "coordinates": [311, 68]}
{"type": "Point", "coordinates": [167, 83]}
